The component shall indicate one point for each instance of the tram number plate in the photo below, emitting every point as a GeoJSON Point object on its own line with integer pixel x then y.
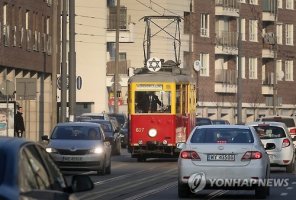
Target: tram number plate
{"type": "Point", "coordinates": [221, 157]}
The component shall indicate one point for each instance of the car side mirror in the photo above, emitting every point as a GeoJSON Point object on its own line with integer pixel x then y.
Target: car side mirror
{"type": "Point", "coordinates": [181, 145]}
{"type": "Point", "coordinates": [81, 183]}
{"type": "Point", "coordinates": [270, 146]}
{"type": "Point", "coordinates": [44, 137]}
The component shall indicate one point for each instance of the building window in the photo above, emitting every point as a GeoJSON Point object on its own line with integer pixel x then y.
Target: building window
{"type": "Point", "coordinates": [254, 2]}
{"type": "Point", "coordinates": [289, 70]}
{"type": "Point", "coordinates": [47, 25]}
{"type": "Point", "coordinates": [243, 66]}
{"type": "Point", "coordinates": [204, 25]}
{"type": "Point", "coordinates": [280, 3]}
{"type": "Point", "coordinates": [5, 14]}
{"type": "Point", "coordinates": [253, 30]}
{"type": "Point", "coordinates": [289, 34]}
{"type": "Point", "coordinates": [242, 1]}
{"type": "Point", "coordinates": [290, 4]}
{"type": "Point", "coordinates": [279, 33]}
{"type": "Point", "coordinates": [243, 29]}
{"type": "Point", "coordinates": [279, 69]}
{"type": "Point", "coordinates": [113, 16]}
{"type": "Point", "coordinates": [252, 68]}
{"type": "Point", "coordinates": [204, 61]}
{"type": "Point", "coordinates": [27, 20]}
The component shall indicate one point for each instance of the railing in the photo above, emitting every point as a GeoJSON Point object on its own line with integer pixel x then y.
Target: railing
{"type": "Point", "coordinates": [226, 38]}
{"type": "Point", "coordinates": [226, 76]}
{"type": "Point", "coordinates": [268, 79]}
{"type": "Point", "coordinates": [122, 67]}
{"type": "Point", "coordinates": [228, 3]}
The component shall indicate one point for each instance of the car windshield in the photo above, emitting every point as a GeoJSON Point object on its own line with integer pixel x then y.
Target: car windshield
{"type": "Point", "coordinates": [120, 118]}
{"type": "Point", "coordinates": [76, 133]}
{"type": "Point", "coordinates": [222, 135]}
{"type": "Point", "coordinates": [219, 122]}
{"type": "Point", "coordinates": [270, 132]}
{"type": "Point", "coordinates": [288, 121]}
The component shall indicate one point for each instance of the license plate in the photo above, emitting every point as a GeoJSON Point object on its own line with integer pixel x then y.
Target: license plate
{"type": "Point", "coordinates": [72, 159]}
{"type": "Point", "coordinates": [221, 157]}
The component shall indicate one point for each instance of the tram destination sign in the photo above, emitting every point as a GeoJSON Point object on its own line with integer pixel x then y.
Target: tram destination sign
{"type": "Point", "coordinates": [151, 87]}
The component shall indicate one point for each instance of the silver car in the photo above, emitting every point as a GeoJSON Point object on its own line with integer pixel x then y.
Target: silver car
{"type": "Point", "coordinates": [278, 134]}
{"type": "Point", "coordinates": [80, 146]}
{"type": "Point", "coordinates": [223, 156]}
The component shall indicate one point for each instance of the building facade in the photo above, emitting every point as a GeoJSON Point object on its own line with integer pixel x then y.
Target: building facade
{"type": "Point", "coordinates": [27, 61]}
{"type": "Point", "coordinates": [266, 52]}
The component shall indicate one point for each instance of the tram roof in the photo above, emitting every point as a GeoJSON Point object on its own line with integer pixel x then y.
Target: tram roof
{"type": "Point", "coordinates": [160, 77]}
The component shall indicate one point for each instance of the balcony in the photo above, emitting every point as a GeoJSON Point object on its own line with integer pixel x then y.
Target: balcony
{"type": "Point", "coordinates": [123, 66]}
{"type": "Point", "coordinates": [267, 84]}
{"type": "Point", "coordinates": [227, 8]}
{"type": "Point", "coordinates": [269, 9]}
{"type": "Point", "coordinates": [126, 29]}
{"type": "Point", "coordinates": [226, 43]}
{"type": "Point", "coordinates": [225, 81]}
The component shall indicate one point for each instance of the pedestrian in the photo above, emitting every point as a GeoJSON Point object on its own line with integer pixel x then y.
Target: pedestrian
{"type": "Point", "coordinates": [19, 126]}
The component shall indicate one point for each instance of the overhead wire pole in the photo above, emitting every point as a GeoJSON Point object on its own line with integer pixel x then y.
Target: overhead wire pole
{"type": "Point", "coordinates": [72, 61]}
{"type": "Point", "coordinates": [116, 77]}
{"type": "Point", "coordinates": [64, 64]}
{"type": "Point", "coordinates": [274, 97]}
{"type": "Point", "coordinates": [239, 72]}
{"type": "Point", "coordinates": [190, 42]}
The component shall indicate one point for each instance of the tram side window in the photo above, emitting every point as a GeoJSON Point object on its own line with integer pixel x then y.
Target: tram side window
{"type": "Point", "coordinates": [178, 99]}
{"type": "Point", "coordinates": [152, 102]}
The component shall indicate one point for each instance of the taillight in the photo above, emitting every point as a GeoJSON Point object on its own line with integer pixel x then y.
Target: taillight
{"type": "Point", "coordinates": [190, 155]}
{"type": "Point", "coordinates": [286, 143]}
{"type": "Point", "coordinates": [292, 131]}
{"type": "Point", "coordinates": [252, 155]}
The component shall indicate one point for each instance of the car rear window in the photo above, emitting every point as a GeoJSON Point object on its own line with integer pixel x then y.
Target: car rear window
{"type": "Point", "coordinates": [288, 121]}
{"type": "Point", "coordinates": [270, 132]}
{"type": "Point", "coordinates": [222, 135]}
{"type": "Point", "coordinates": [76, 133]}
{"type": "Point", "coordinates": [202, 121]}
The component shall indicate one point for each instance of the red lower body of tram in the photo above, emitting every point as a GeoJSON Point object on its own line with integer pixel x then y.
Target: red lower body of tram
{"type": "Point", "coordinates": [156, 136]}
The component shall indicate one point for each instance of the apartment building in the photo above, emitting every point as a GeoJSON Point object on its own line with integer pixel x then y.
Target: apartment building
{"type": "Point", "coordinates": [27, 61]}
{"type": "Point", "coordinates": [267, 56]}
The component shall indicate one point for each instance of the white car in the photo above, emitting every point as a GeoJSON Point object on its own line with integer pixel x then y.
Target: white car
{"type": "Point", "coordinates": [223, 156]}
{"type": "Point", "coordinates": [289, 121]}
{"type": "Point", "coordinates": [277, 133]}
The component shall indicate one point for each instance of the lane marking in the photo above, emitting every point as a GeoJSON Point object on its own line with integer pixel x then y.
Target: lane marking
{"type": "Point", "coordinates": [284, 194]}
{"type": "Point", "coordinates": [294, 183]}
{"type": "Point", "coordinates": [220, 193]}
{"type": "Point", "coordinates": [153, 191]}
{"type": "Point", "coordinates": [289, 188]}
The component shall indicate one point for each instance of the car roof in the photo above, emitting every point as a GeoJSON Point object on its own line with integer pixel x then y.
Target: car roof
{"type": "Point", "coordinates": [93, 114]}
{"type": "Point", "coordinates": [223, 126]}
{"type": "Point", "coordinates": [84, 123]}
{"type": "Point", "coordinates": [271, 123]}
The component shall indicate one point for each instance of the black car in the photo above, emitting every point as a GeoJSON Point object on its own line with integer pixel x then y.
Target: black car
{"type": "Point", "coordinates": [200, 121]}
{"type": "Point", "coordinates": [27, 171]}
{"type": "Point", "coordinates": [111, 133]}
{"type": "Point", "coordinates": [124, 135]}
{"type": "Point", "coordinates": [121, 117]}
{"type": "Point", "coordinates": [220, 121]}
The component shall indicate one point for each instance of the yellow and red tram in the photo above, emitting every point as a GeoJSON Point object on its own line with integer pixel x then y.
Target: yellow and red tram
{"type": "Point", "coordinates": [155, 133]}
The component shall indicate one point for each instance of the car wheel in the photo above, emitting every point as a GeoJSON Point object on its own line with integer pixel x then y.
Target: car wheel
{"type": "Point", "coordinates": [103, 170]}
{"type": "Point", "coordinates": [261, 192]}
{"type": "Point", "coordinates": [290, 167]}
{"type": "Point", "coordinates": [141, 159]}
{"type": "Point", "coordinates": [108, 169]}
{"type": "Point", "coordinates": [183, 190]}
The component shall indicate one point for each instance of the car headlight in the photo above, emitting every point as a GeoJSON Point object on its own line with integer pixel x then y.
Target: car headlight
{"type": "Point", "coordinates": [51, 150]}
{"type": "Point", "coordinates": [152, 132]}
{"type": "Point", "coordinates": [97, 150]}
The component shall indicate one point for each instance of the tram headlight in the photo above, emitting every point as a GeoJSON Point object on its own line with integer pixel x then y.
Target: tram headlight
{"type": "Point", "coordinates": [165, 142]}
{"type": "Point", "coordinates": [152, 132]}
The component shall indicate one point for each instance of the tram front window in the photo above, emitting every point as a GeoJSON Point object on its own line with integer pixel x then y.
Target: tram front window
{"type": "Point", "coordinates": [153, 102]}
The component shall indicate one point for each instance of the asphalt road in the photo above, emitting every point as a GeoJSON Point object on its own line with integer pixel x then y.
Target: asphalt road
{"type": "Point", "coordinates": [157, 179]}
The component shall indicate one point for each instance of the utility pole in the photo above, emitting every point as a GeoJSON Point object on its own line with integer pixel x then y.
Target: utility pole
{"type": "Point", "coordinates": [64, 77]}
{"type": "Point", "coordinates": [55, 61]}
{"type": "Point", "coordinates": [274, 99]}
{"type": "Point", "coordinates": [190, 42]}
{"type": "Point", "coordinates": [116, 77]}
{"type": "Point", "coordinates": [72, 61]}
{"type": "Point", "coordinates": [239, 72]}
